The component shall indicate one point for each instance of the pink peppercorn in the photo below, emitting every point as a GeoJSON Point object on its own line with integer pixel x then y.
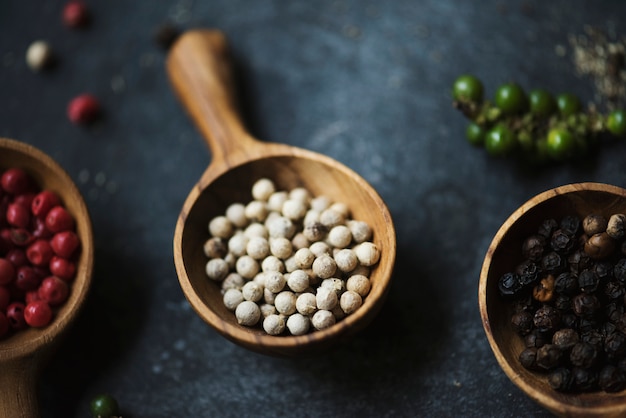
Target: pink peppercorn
{"type": "Point", "coordinates": [59, 219]}
{"type": "Point", "coordinates": [43, 202]}
{"type": "Point", "coordinates": [17, 257]}
{"type": "Point", "coordinates": [76, 15]}
{"type": "Point", "coordinates": [39, 252]}
{"type": "Point", "coordinates": [62, 268]}
{"type": "Point", "coordinates": [83, 109]}
{"type": "Point", "coordinates": [5, 298]}
{"type": "Point", "coordinates": [65, 243]}
{"type": "Point", "coordinates": [15, 181]}
{"type": "Point", "coordinates": [18, 215]}
{"type": "Point", "coordinates": [7, 271]}
{"type": "Point", "coordinates": [27, 278]}
{"type": "Point", "coordinates": [53, 290]}
{"type": "Point", "coordinates": [38, 313]}
{"type": "Point", "coordinates": [15, 315]}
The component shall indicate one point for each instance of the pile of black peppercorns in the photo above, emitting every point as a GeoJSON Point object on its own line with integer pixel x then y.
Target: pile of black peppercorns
{"type": "Point", "coordinates": [569, 297]}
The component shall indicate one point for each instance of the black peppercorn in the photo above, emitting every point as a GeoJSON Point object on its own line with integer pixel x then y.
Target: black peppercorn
{"type": "Point", "coordinates": [560, 379]}
{"type": "Point", "coordinates": [536, 339]}
{"type": "Point", "coordinates": [599, 246]}
{"type": "Point", "coordinates": [585, 304]}
{"type": "Point", "coordinates": [614, 312]}
{"type": "Point", "coordinates": [584, 380]}
{"type": "Point", "coordinates": [561, 241]}
{"type": "Point", "coordinates": [547, 318]}
{"type": "Point", "coordinates": [611, 379]}
{"type": "Point", "coordinates": [569, 320]}
{"type": "Point", "coordinates": [566, 283]}
{"type": "Point", "coordinates": [527, 272]}
{"type": "Point", "coordinates": [593, 337]}
{"type": "Point", "coordinates": [552, 263]}
{"type": "Point", "coordinates": [528, 358]}
{"type": "Point", "coordinates": [509, 284]}
{"type": "Point", "coordinates": [562, 302]}
{"type": "Point", "coordinates": [578, 261]}
{"type": "Point", "coordinates": [588, 281]}
{"type": "Point", "coordinates": [615, 344]}
{"type": "Point", "coordinates": [565, 338]}
{"type": "Point", "coordinates": [604, 270]}
{"type": "Point", "coordinates": [547, 227]}
{"type": "Point", "coordinates": [614, 290]}
{"type": "Point", "coordinates": [594, 223]}
{"type": "Point", "coordinates": [619, 271]}
{"type": "Point", "coordinates": [548, 356]}
{"type": "Point", "coordinates": [522, 322]}
{"type": "Point", "coordinates": [533, 247]}
{"type": "Point", "coordinates": [583, 355]}
{"type": "Point", "coordinates": [570, 225]}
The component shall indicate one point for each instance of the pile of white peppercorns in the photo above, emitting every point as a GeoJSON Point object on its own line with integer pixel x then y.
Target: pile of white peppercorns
{"type": "Point", "coordinates": [292, 261]}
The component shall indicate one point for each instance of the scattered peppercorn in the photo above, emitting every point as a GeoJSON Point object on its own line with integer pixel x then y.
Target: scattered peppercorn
{"type": "Point", "coordinates": [76, 15]}
{"type": "Point", "coordinates": [104, 405]}
{"type": "Point", "coordinates": [40, 56]}
{"type": "Point", "coordinates": [83, 109]}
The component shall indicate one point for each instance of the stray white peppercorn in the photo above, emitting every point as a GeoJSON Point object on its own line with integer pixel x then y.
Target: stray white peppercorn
{"type": "Point", "coordinates": [616, 225]}
{"type": "Point", "coordinates": [248, 313]}
{"type": "Point", "coordinates": [215, 248]}
{"type": "Point", "coordinates": [221, 227]}
{"type": "Point", "coordinates": [324, 266]}
{"type": "Point", "coordinates": [236, 214]}
{"type": "Point", "coordinates": [285, 302]}
{"type": "Point", "coordinates": [252, 291]}
{"type": "Point", "coordinates": [326, 298]}
{"type": "Point", "coordinates": [262, 189]}
{"type": "Point", "coordinates": [346, 260]}
{"type": "Point", "coordinates": [232, 298]}
{"type": "Point", "coordinates": [217, 269]}
{"type": "Point", "coordinates": [276, 201]}
{"type": "Point", "coordinates": [339, 236]}
{"type": "Point", "coordinates": [274, 324]}
{"type": "Point", "coordinates": [367, 253]}
{"type": "Point", "coordinates": [39, 55]}
{"type": "Point", "coordinates": [233, 281]}
{"type": "Point", "coordinates": [247, 266]}
{"type": "Point", "coordinates": [298, 324]}
{"type": "Point", "coordinates": [306, 304]}
{"type": "Point", "coordinates": [304, 258]}
{"type": "Point", "coordinates": [294, 209]}
{"type": "Point", "coordinates": [322, 319]}
{"type": "Point", "coordinates": [360, 230]}
{"type": "Point", "coordinates": [350, 301]}
{"type": "Point", "coordinates": [359, 283]}
{"type": "Point", "coordinates": [275, 281]}
{"type": "Point", "coordinates": [272, 263]}
{"type": "Point", "coordinates": [258, 248]}
{"type": "Point", "coordinates": [298, 280]}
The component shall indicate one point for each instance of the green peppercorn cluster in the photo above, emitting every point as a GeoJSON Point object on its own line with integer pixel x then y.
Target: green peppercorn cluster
{"type": "Point", "coordinates": [536, 126]}
{"type": "Point", "coordinates": [568, 302]}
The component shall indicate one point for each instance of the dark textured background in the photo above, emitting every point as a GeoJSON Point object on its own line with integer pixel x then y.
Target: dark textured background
{"type": "Point", "coordinates": [365, 82]}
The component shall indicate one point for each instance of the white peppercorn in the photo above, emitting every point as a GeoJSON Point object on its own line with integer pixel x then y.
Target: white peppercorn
{"type": "Point", "coordinates": [256, 229]}
{"type": "Point", "coordinates": [299, 240]}
{"type": "Point", "coordinates": [259, 278]}
{"type": "Point", "coordinates": [247, 266]}
{"type": "Point", "coordinates": [367, 253]}
{"type": "Point", "coordinates": [221, 227]}
{"type": "Point", "coordinates": [230, 260]}
{"type": "Point", "coordinates": [311, 217]}
{"type": "Point", "coordinates": [360, 230]}
{"type": "Point", "coordinates": [326, 298]}
{"type": "Point", "coordinates": [306, 304]}
{"type": "Point", "coordinates": [290, 264]}
{"type": "Point", "coordinates": [300, 193]}
{"type": "Point", "coordinates": [256, 211]}
{"type": "Point", "coordinates": [236, 214]}
{"type": "Point", "coordinates": [616, 226]}
{"type": "Point", "coordinates": [275, 281]}
{"type": "Point", "coordinates": [350, 301]}
{"type": "Point", "coordinates": [269, 297]}
{"type": "Point", "coordinates": [361, 269]}
{"type": "Point", "coordinates": [323, 319]}
{"type": "Point", "coordinates": [252, 291]}
{"type": "Point", "coordinates": [267, 309]}
{"type": "Point", "coordinates": [298, 324]}
{"type": "Point", "coordinates": [294, 209]}
{"type": "Point", "coordinates": [262, 189]}
{"type": "Point", "coordinates": [320, 247]}
{"type": "Point", "coordinates": [216, 269]}
{"type": "Point", "coordinates": [298, 280]}
{"type": "Point", "coordinates": [232, 298]}
{"type": "Point", "coordinates": [339, 236]}
{"type": "Point", "coordinates": [272, 263]}
{"type": "Point", "coordinates": [233, 281]}
{"type": "Point", "coordinates": [276, 201]}
{"type": "Point", "coordinates": [334, 284]}
{"type": "Point", "coordinates": [258, 248]}
{"type": "Point", "coordinates": [237, 244]}
{"type": "Point", "coordinates": [274, 324]}
{"type": "Point", "coordinates": [324, 266]}
{"type": "Point", "coordinates": [320, 203]}
{"type": "Point", "coordinates": [341, 208]}
{"type": "Point", "coordinates": [39, 55]}
{"type": "Point", "coordinates": [285, 302]}
{"type": "Point", "coordinates": [315, 231]}
{"type": "Point", "coordinates": [346, 260]}
{"type": "Point", "coordinates": [215, 248]}
{"type": "Point", "coordinates": [304, 258]}
{"type": "Point", "coordinates": [281, 247]}
{"type": "Point", "coordinates": [281, 226]}
{"type": "Point", "coordinates": [248, 313]}
{"type": "Point", "coordinates": [330, 218]}
{"type": "Point", "coordinates": [358, 283]}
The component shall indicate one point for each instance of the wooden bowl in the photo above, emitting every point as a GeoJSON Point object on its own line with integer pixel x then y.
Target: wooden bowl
{"type": "Point", "coordinates": [503, 255]}
{"type": "Point", "coordinates": [22, 354]}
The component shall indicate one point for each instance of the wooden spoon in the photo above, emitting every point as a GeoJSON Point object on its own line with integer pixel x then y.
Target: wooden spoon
{"type": "Point", "coordinates": [199, 69]}
{"type": "Point", "coordinates": [23, 354]}
{"type": "Point", "coordinates": [503, 255]}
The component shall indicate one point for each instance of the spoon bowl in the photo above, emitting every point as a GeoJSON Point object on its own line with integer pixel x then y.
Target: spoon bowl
{"type": "Point", "coordinates": [199, 69]}
{"type": "Point", "coordinates": [23, 353]}
{"type": "Point", "coordinates": [503, 255]}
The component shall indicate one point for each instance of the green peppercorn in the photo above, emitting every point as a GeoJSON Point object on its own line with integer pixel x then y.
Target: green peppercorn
{"type": "Point", "coordinates": [568, 104]}
{"type": "Point", "coordinates": [475, 134]}
{"type": "Point", "coordinates": [542, 103]}
{"type": "Point", "coordinates": [616, 122]}
{"type": "Point", "coordinates": [511, 99]}
{"type": "Point", "coordinates": [104, 405]}
{"type": "Point", "coordinates": [468, 88]}
{"type": "Point", "coordinates": [560, 144]}
{"type": "Point", "coordinates": [499, 141]}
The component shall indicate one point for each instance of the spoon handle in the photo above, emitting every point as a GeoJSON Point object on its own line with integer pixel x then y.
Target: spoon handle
{"type": "Point", "coordinates": [199, 69]}
{"type": "Point", "coordinates": [18, 380]}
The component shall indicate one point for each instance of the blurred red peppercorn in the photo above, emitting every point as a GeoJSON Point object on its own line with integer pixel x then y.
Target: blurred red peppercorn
{"type": "Point", "coordinates": [43, 202]}
{"type": "Point", "coordinates": [5, 298]}
{"type": "Point", "coordinates": [7, 271]}
{"type": "Point", "coordinates": [83, 109]}
{"type": "Point", "coordinates": [65, 243]}
{"type": "Point", "coordinates": [15, 181]}
{"type": "Point", "coordinates": [59, 219]}
{"type": "Point", "coordinates": [18, 215]}
{"type": "Point", "coordinates": [31, 296]}
{"type": "Point", "coordinates": [17, 257]}
{"type": "Point", "coordinates": [76, 15]}
{"type": "Point", "coordinates": [38, 313]}
{"type": "Point", "coordinates": [15, 315]}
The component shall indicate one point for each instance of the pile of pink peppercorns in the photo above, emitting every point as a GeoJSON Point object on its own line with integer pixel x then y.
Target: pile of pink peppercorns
{"type": "Point", "coordinates": [38, 250]}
